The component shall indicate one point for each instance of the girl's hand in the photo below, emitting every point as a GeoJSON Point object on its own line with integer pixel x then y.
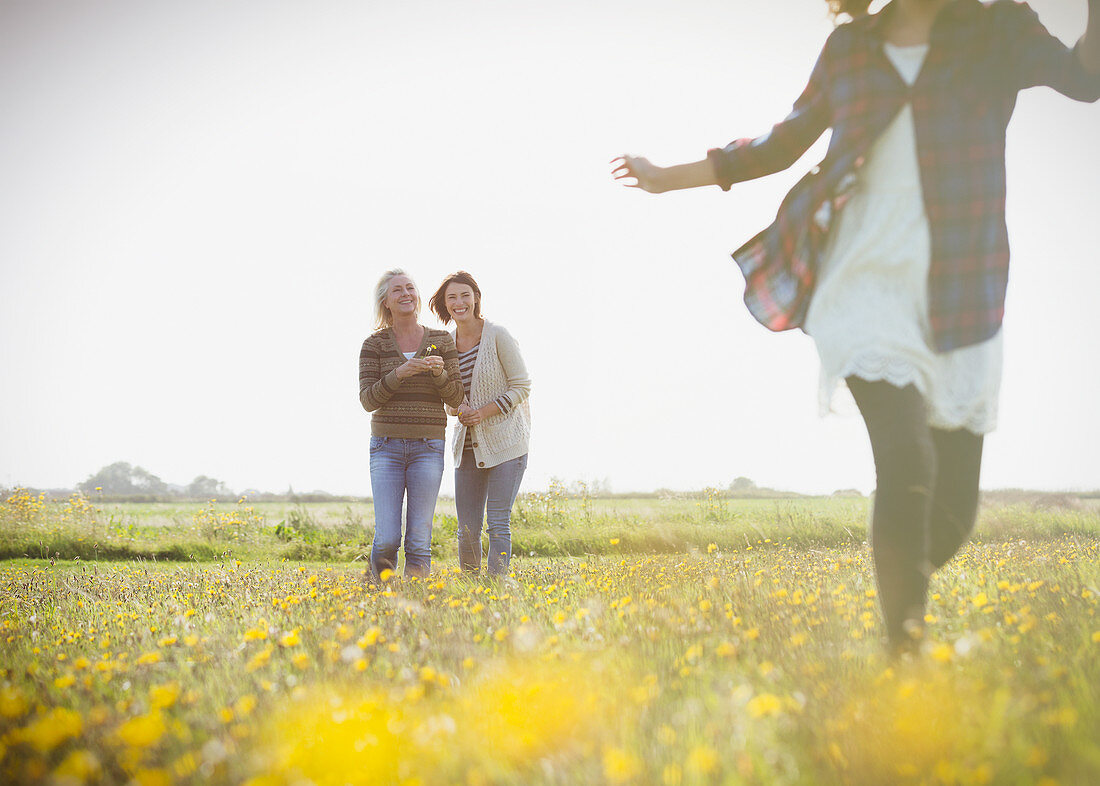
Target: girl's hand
{"type": "Point", "coordinates": [647, 176]}
{"type": "Point", "coordinates": [411, 368]}
{"type": "Point", "coordinates": [467, 415]}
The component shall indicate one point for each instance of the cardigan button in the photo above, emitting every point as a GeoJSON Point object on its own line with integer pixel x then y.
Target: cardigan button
{"type": "Point", "coordinates": [481, 463]}
{"type": "Point", "coordinates": [475, 444]}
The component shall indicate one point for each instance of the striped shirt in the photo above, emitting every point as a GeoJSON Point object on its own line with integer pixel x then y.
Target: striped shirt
{"type": "Point", "coordinates": [466, 362]}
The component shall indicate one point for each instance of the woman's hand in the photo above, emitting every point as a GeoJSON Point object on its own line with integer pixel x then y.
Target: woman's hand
{"type": "Point", "coordinates": [647, 176]}
{"type": "Point", "coordinates": [435, 364]}
{"type": "Point", "coordinates": [414, 366]}
{"type": "Point", "coordinates": [467, 415]}
{"type": "Point", "coordinates": [659, 179]}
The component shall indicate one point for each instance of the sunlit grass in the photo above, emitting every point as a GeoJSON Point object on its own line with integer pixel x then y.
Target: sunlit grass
{"type": "Point", "coordinates": [755, 663]}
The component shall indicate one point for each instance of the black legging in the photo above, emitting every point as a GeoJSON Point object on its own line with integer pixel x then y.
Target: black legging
{"type": "Point", "coordinates": [926, 497]}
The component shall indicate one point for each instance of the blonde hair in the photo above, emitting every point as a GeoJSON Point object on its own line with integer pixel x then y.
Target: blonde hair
{"type": "Point", "coordinates": [383, 317]}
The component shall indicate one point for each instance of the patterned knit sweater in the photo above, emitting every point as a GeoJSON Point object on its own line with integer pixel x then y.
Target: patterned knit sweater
{"type": "Point", "coordinates": [409, 408]}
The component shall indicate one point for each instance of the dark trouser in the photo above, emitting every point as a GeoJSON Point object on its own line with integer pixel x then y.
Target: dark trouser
{"type": "Point", "coordinates": [926, 496]}
{"type": "Point", "coordinates": [486, 495]}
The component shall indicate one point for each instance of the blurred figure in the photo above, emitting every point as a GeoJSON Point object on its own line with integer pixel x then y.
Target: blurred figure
{"type": "Point", "coordinates": [893, 253]}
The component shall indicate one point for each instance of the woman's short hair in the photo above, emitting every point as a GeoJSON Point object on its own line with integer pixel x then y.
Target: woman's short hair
{"type": "Point", "coordinates": [438, 303]}
{"type": "Point", "coordinates": [382, 316]}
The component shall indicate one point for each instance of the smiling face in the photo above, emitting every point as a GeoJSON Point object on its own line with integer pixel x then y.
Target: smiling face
{"type": "Point", "coordinates": [461, 302]}
{"type": "Point", "coordinates": [402, 299]}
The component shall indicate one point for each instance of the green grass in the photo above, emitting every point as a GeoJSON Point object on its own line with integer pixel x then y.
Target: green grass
{"type": "Point", "coordinates": [543, 525]}
{"type": "Point", "coordinates": [740, 665]}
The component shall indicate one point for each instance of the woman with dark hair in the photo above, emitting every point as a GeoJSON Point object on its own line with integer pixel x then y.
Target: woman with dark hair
{"type": "Point", "coordinates": [893, 253]}
{"type": "Point", "coordinates": [407, 372]}
{"type": "Point", "coordinates": [494, 424]}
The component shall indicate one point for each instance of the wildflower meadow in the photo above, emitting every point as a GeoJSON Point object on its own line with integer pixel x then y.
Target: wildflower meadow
{"type": "Point", "coordinates": [692, 639]}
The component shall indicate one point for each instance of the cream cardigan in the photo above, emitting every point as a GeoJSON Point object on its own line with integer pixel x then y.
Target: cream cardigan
{"type": "Point", "coordinates": [498, 371]}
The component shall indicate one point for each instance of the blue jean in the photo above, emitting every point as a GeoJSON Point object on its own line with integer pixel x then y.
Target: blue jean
{"type": "Point", "coordinates": [396, 466]}
{"type": "Point", "coordinates": [482, 494]}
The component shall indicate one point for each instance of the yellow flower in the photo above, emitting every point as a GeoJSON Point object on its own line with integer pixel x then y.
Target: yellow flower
{"type": "Point", "coordinates": [943, 653]}
{"type": "Point", "coordinates": [79, 765]}
{"type": "Point", "coordinates": [148, 658]}
{"type": "Point", "coordinates": [13, 704]}
{"type": "Point", "coordinates": [260, 659]}
{"type": "Point", "coordinates": [51, 729]}
{"type": "Point", "coordinates": [64, 681]}
{"type": "Point", "coordinates": [152, 777]}
{"type": "Point", "coordinates": [300, 661]}
{"type": "Point", "coordinates": [291, 639]}
{"type": "Point", "coordinates": [703, 760]}
{"type": "Point", "coordinates": [244, 705]}
{"type": "Point", "coordinates": [161, 697]}
{"type": "Point", "coordinates": [255, 634]}
{"type": "Point", "coordinates": [620, 766]}
{"type": "Point", "coordinates": [766, 704]}
{"type": "Point", "coordinates": [142, 731]}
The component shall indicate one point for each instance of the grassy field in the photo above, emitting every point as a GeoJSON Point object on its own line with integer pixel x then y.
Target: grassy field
{"type": "Point", "coordinates": [680, 641]}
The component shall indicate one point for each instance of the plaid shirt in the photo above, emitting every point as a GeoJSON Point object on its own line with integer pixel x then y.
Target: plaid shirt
{"type": "Point", "coordinates": [980, 56]}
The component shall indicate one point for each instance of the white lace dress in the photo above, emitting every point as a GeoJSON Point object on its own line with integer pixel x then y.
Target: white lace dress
{"type": "Point", "coordinates": [869, 312]}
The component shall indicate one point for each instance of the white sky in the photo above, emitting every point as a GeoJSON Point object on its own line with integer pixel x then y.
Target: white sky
{"type": "Point", "coordinates": [196, 198]}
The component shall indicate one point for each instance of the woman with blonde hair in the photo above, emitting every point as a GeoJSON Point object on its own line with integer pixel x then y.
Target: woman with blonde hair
{"type": "Point", "coordinates": [407, 372]}
{"type": "Point", "coordinates": [494, 424]}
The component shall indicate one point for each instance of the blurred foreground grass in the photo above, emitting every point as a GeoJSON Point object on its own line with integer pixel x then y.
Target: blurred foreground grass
{"type": "Point", "coordinates": [758, 664]}
{"type": "Point", "coordinates": [679, 641]}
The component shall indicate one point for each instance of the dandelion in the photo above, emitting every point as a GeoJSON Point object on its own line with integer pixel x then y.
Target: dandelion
{"type": "Point", "coordinates": [50, 730]}
{"type": "Point", "coordinates": [13, 704]}
{"type": "Point", "coordinates": [291, 639]}
{"type": "Point", "coordinates": [702, 760]}
{"type": "Point", "coordinates": [765, 705]}
{"type": "Point", "coordinates": [620, 766]}
{"type": "Point", "coordinates": [79, 765]}
{"type": "Point", "coordinates": [164, 696]}
{"type": "Point", "coordinates": [142, 731]}
{"type": "Point", "coordinates": [942, 653]}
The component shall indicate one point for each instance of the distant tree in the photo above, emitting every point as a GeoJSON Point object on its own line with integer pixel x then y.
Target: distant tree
{"type": "Point", "coordinates": [742, 484]}
{"type": "Point", "coordinates": [121, 479]}
{"type": "Point", "coordinates": [847, 493]}
{"type": "Point", "coordinates": [207, 488]}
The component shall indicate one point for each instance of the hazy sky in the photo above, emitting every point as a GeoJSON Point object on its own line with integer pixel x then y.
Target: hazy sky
{"type": "Point", "coordinates": [197, 197]}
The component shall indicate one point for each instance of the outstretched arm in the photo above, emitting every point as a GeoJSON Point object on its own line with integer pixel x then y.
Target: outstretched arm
{"type": "Point", "coordinates": [658, 179]}
{"type": "Point", "coordinates": [1034, 57]}
{"type": "Point", "coordinates": [744, 159]}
